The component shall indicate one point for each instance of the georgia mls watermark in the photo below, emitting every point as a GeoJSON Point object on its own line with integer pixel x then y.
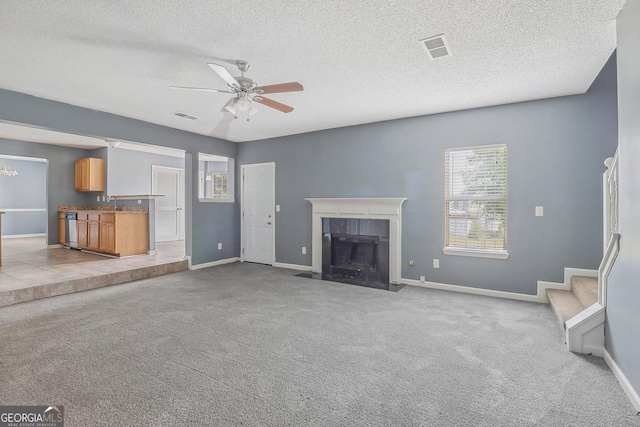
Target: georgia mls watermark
{"type": "Point", "coordinates": [31, 416]}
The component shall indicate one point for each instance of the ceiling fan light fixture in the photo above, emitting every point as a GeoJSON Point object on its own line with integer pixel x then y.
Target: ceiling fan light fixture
{"type": "Point", "coordinates": [7, 170]}
{"type": "Point", "coordinates": [243, 104]}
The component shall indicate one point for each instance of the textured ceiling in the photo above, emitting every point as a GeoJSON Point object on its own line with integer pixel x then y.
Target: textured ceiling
{"type": "Point", "coordinates": [359, 61]}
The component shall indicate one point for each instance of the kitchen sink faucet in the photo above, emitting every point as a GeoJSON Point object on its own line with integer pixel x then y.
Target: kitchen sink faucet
{"type": "Point", "coordinates": [115, 202]}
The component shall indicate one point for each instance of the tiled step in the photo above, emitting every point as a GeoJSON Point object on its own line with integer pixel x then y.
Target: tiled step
{"type": "Point", "coordinates": [585, 289]}
{"type": "Point", "coordinates": [23, 293]}
{"type": "Point", "coordinates": [564, 303]}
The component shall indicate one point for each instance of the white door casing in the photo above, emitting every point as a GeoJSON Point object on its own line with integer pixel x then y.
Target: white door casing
{"type": "Point", "coordinates": [257, 213]}
{"type": "Point", "coordinates": [170, 218]}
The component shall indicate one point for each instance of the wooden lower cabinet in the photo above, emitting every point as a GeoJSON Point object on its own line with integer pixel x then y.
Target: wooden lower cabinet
{"type": "Point", "coordinates": [62, 228]}
{"type": "Point", "coordinates": [82, 230]}
{"type": "Point", "coordinates": [120, 234]}
{"type": "Point", "coordinates": [107, 237]}
{"type": "Point", "coordinates": [93, 232]}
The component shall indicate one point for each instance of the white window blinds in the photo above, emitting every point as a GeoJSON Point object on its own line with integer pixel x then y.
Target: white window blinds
{"type": "Point", "coordinates": [476, 199]}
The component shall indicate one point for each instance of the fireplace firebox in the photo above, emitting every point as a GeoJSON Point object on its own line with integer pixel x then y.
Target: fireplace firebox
{"type": "Point", "coordinates": [356, 251]}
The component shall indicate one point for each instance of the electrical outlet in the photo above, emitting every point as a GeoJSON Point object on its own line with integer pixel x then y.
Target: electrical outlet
{"type": "Point", "coordinates": [139, 201]}
{"type": "Point", "coordinates": [98, 198]}
{"type": "Point", "coordinates": [423, 279]}
{"type": "Point", "coordinates": [436, 263]}
{"type": "Point", "coordinates": [539, 210]}
{"type": "Point", "coordinates": [277, 208]}
{"type": "Point", "coordinates": [103, 198]}
{"type": "Point", "coordinates": [304, 250]}
{"type": "Point", "coordinates": [219, 246]}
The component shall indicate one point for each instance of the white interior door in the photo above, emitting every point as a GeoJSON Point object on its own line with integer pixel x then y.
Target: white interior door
{"type": "Point", "coordinates": [170, 208]}
{"type": "Point", "coordinates": [258, 184]}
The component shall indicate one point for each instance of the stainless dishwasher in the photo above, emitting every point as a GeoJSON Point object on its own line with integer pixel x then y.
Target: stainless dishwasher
{"type": "Point", "coordinates": [71, 233]}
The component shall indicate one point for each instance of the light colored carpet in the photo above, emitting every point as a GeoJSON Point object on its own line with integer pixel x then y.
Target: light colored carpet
{"type": "Point", "coordinates": [251, 345]}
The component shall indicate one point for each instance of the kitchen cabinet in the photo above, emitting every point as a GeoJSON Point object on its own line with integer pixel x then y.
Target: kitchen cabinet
{"type": "Point", "coordinates": [62, 228]}
{"type": "Point", "coordinates": [114, 233]}
{"type": "Point", "coordinates": [81, 224]}
{"type": "Point", "coordinates": [93, 232]}
{"type": "Point", "coordinates": [89, 174]}
{"type": "Point", "coordinates": [107, 233]}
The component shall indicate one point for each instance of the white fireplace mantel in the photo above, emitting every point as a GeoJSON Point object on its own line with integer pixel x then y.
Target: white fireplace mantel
{"type": "Point", "coordinates": [367, 208]}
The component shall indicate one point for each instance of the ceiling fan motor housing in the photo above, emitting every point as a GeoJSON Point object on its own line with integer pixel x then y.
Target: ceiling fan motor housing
{"type": "Point", "coordinates": [245, 83]}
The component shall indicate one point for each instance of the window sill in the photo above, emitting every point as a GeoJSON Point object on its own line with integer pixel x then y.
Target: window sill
{"type": "Point", "coordinates": [476, 253]}
{"type": "Point", "coordinates": [215, 200]}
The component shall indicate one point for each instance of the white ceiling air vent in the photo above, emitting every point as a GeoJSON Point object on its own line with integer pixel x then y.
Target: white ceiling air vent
{"type": "Point", "coordinates": [436, 46]}
{"type": "Point", "coordinates": [185, 116]}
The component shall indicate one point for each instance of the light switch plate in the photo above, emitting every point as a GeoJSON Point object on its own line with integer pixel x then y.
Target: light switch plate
{"type": "Point", "coordinates": [219, 246]}
{"type": "Point", "coordinates": [277, 208]}
{"type": "Point", "coordinates": [539, 210]}
{"type": "Point", "coordinates": [304, 250]}
{"type": "Point", "coordinates": [436, 263]}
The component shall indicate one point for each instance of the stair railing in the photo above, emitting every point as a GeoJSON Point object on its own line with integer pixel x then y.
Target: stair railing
{"type": "Point", "coordinates": [611, 225]}
{"type": "Point", "coordinates": [606, 265]}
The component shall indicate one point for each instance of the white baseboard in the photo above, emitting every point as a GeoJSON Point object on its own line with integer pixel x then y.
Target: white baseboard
{"type": "Point", "coordinates": [212, 263]}
{"type": "Point", "coordinates": [471, 290]}
{"type": "Point", "coordinates": [292, 266]}
{"type": "Point", "coordinates": [622, 379]}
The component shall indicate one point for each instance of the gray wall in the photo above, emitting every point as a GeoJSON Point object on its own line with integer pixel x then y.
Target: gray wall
{"type": "Point", "coordinates": [556, 149]}
{"type": "Point", "coordinates": [623, 298]}
{"type": "Point", "coordinates": [206, 223]}
{"type": "Point", "coordinates": [129, 171]}
{"type": "Point", "coordinates": [27, 191]}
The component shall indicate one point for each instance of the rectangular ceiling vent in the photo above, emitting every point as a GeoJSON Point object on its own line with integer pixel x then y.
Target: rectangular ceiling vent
{"type": "Point", "coordinates": [436, 46]}
{"type": "Point", "coordinates": [185, 116]}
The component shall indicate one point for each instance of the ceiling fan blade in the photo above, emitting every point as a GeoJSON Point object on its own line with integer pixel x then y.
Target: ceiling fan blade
{"type": "Point", "coordinates": [273, 104]}
{"type": "Point", "coordinates": [203, 89]}
{"type": "Point", "coordinates": [280, 88]}
{"type": "Point", "coordinates": [226, 75]}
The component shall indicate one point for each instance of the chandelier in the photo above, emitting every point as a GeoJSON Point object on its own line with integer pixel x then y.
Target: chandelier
{"type": "Point", "coordinates": [7, 170]}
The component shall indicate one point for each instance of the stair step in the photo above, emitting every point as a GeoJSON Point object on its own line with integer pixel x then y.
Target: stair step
{"type": "Point", "coordinates": [585, 289]}
{"type": "Point", "coordinates": [564, 303]}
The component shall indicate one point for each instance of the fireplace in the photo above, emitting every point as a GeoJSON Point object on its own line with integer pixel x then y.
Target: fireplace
{"type": "Point", "coordinates": [366, 236]}
{"type": "Point", "coordinates": [356, 251]}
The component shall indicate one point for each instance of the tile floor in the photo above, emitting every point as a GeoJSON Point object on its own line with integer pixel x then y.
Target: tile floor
{"type": "Point", "coordinates": [31, 271]}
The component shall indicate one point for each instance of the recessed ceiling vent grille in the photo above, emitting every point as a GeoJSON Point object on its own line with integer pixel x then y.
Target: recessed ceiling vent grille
{"type": "Point", "coordinates": [185, 116]}
{"type": "Point", "coordinates": [436, 46]}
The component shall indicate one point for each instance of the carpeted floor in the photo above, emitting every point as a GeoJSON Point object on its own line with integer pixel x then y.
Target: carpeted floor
{"type": "Point", "coordinates": [251, 345]}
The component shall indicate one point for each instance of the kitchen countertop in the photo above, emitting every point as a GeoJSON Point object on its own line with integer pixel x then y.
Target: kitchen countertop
{"type": "Point", "coordinates": [104, 209]}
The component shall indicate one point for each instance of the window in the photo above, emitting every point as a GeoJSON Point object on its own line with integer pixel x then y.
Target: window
{"type": "Point", "coordinates": [215, 178]}
{"type": "Point", "coordinates": [476, 201]}
{"type": "Point", "coordinates": [219, 185]}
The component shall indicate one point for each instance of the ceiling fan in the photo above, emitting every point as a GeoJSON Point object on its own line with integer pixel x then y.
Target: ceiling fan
{"type": "Point", "coordinates": [247, 90]}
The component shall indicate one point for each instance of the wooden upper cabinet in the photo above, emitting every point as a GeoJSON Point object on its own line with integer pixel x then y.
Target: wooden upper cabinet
{"type": "Point", "coordinates": [90, 174]}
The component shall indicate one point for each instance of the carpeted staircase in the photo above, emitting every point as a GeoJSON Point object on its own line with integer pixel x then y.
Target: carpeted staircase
{"type": "Point", "coordinates": [566, 304]}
